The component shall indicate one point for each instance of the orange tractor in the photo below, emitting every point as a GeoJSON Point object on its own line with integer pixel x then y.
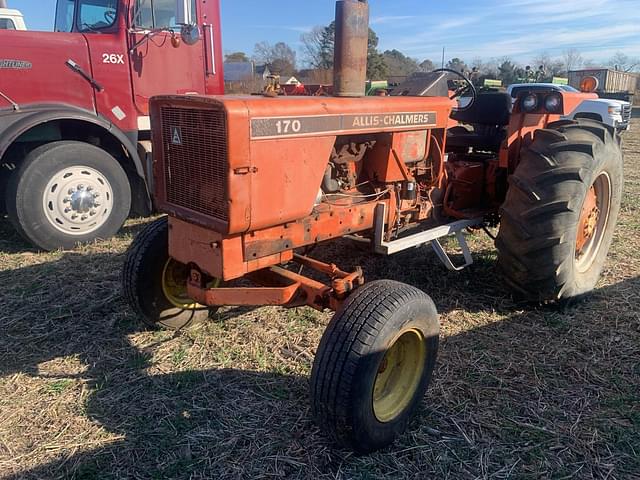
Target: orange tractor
{"type": "Point", "coordinates": [249, 182]}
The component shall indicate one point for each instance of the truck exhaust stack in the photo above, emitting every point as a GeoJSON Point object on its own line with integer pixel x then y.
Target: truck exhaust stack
{"type": "Point", "coordinates": [351, 47]}
{"type": "Point", "coordinates": [3, 4]}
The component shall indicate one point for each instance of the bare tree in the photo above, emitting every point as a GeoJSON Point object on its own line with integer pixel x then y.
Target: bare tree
{"type": "Point", "coordinates": [490, 68]}
{"type": "Point", "coordinates": [478, 64]}
{"type": "Point", "coordinates": [547, 67]}
{"type": "Point", "coordinates": [621, 61]}
{"type": "Point", "coordinates": [572, 59]}
{"type": "Point", "coordinates": [280, 57]}
{"type": "Point", "coordinates": [263, 52]}
{"type": "Point", "coordinates": [318, 45]}
{"type": "Point", "coordinates": [312, 43]}
{"type": "Point", "coordinates": [543, 59]}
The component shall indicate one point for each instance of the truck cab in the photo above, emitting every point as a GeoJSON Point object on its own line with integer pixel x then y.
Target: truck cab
{"type": "Point", "coordinates": [11, 20]}
{"type": "Point", "coordinates": [614, 113]}
{"type": "Point", "coordinates": [75, 150]}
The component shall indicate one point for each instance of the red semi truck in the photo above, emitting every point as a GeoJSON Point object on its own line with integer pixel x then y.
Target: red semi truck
{"type": "Point", "coordinates": [75, 150]}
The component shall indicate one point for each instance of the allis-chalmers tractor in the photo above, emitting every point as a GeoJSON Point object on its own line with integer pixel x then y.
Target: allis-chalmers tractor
{"type": "Point", "coordinates": [249, 182]}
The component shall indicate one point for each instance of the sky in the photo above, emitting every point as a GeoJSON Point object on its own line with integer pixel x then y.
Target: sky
{"type": "Point", "coordinates": [467, 29]}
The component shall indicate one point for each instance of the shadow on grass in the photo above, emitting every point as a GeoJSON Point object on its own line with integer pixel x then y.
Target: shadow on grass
{"type": "Point", "coordinates": [535, 393]}
{"type": "Point", "coordinates": [10, 240]}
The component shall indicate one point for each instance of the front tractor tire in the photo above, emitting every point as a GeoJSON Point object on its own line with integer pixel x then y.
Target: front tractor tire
{"type": "Point", "coordinates": [374, 364]}
{"type": "Point", "coordinates": [68, 193]}
{"type": "Point", "coordinates": [561, 209]}
{"type": "Point", "coordinates": [155, 285]}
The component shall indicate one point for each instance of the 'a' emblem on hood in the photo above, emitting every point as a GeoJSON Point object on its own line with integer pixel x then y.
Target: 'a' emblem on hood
{"type": "Point", "coordinates": [176, 135]}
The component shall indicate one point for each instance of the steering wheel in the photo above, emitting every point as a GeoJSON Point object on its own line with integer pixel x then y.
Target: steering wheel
{"type": "Point", "coordinates": [468, 87]}
{"type": "Point", "coordinates": [110, 16]}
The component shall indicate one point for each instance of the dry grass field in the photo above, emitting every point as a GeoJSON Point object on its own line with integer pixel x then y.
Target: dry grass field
{"type": "Point", "coordinates": [520, 392]}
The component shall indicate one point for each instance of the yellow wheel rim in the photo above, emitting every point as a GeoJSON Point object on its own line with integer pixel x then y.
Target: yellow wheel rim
{"type": "Point", "coordinates": [174, 286]}
{"type": "Point", "coordinates": [399, 375]}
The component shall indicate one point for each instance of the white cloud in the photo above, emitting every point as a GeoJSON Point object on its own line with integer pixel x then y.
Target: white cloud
{"type": "Point", "coordinates": [300, 29]}
{"type": "Point", "coordinates": [523, 28]}
{"type": "Point", "coordinates": [385, 20]}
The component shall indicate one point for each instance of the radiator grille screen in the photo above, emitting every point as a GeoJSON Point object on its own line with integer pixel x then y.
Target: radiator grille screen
{"type": "Point", "coordinates": [195, 159]}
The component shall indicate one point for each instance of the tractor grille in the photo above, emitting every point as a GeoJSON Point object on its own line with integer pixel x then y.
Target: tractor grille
{"type": "Point", "coordinates": [195, 159]}
{"type": "Point", "coordinates": [626, 113]}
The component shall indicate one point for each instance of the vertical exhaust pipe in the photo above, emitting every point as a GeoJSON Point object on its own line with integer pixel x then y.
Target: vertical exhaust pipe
{"type": "Point", "coordinates": [3, 4]}
{"type": "Point", "coordinates": [351, 48]}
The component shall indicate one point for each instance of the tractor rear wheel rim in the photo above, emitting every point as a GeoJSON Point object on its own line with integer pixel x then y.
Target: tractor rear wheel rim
{"type": "Point", "coordinates": [399, 376]}
{"type": "Point", "coordinates": [78, 200]}
{"type": "Point", "coordinates": [593, 222]}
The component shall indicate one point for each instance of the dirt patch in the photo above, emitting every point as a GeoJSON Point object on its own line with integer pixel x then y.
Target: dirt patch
{"type": "Point", "coordinates": [519, 393]}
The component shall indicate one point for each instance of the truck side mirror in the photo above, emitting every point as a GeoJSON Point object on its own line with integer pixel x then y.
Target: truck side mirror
{"type": "Point", "coordinates": [189, 32]}
{"type": "Point", "coordinates": [183, 12]}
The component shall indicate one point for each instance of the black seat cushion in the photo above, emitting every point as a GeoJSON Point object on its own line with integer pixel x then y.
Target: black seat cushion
{"type": "Point", "coordinates": [493, 108]}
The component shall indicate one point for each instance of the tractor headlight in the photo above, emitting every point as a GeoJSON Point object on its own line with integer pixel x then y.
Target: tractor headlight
{"type": "Point", "coordinates": [553, 103]}
{"type": "Point", "coordinates": [530, 103]}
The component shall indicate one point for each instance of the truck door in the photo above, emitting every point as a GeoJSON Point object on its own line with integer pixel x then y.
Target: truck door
{"type": "Point", "coordinates": [160, 62]}
{"type": "Point", "coordinates": [103, 25]}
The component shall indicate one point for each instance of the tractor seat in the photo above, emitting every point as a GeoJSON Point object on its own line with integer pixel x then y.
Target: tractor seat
{"type": "Point", "coordinates": [484, 123]}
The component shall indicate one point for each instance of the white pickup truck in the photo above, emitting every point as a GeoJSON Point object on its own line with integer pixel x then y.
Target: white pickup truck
{"type": "Point", "coordinates": [11, 20]}
{"type": "Point", "coordinates": [615, 113]}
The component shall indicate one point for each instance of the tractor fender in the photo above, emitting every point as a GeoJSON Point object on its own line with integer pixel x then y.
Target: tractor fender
{"type": "Point", "coordinates": [13, 124]}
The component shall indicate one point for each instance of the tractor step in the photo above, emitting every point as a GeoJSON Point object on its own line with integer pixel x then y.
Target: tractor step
{"type": "Point", "coordinates": [430, 236]}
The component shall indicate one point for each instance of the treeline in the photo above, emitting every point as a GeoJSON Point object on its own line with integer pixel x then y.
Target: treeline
{"type": "Point", "coordinates": [317, 57]}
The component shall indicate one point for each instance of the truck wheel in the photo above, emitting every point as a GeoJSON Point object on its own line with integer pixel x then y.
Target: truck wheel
{"type": "Point", "coordinates": [155, 285]}
{"type": "Point", "coordinates": [374, 364]}
{"type": "Point", "coordinates": [68, 193]}
{"type": "Point", "coordinates": [558, 219]}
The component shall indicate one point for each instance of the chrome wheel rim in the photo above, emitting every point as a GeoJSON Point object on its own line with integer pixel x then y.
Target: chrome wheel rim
{"type": "Point", "coordinates": [78, 200]}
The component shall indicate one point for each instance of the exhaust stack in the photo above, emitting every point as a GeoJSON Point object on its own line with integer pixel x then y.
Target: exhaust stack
{"type": "Point", "coordinates": [351, 48]}
{"type": "Point", "coordinates": [3, 4]}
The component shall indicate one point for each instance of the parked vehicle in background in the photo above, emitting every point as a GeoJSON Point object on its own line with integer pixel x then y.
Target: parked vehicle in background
{"type": "Point", "coordinates": [11, 20]}
{"type": "Point", "coordinates": [615, 113]}
{"type": "Point", "coordinates": [612, 84]}
{"type": "Point", "coordinates": [75, 150]}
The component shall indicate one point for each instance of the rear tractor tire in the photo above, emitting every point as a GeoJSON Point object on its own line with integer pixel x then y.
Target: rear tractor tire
{"type": "Point", "coordinates": [559, 217]}
{"type": "Point", "coordinates": [155, 285]}
{"type": "Point", "coordinates": [374, 364]}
